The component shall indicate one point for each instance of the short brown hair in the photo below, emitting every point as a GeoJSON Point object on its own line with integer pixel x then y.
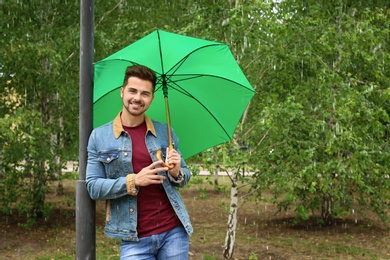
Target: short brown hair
{"type": "Point", "coordinates": [141, 72]}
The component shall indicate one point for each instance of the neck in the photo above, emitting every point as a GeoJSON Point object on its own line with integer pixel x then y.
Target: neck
{"type": "Point", "coordinates": [131, 120]}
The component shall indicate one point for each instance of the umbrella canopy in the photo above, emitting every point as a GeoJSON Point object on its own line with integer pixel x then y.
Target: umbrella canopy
{"type": "Point", "coordinates": [207, 90]}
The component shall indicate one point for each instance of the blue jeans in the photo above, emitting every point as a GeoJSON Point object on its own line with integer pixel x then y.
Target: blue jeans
{"type": "Point", "coordinates": [170, 245]}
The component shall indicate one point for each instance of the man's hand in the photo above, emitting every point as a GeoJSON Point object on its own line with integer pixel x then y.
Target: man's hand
{"type": "Point", "coordinates": [173, 157]}
{"type": "Point", "coordinates": [148, 175]}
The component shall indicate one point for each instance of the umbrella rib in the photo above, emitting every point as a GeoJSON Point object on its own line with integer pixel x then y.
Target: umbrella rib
{"type": "Point", "coordinates": [160, 50]}
{"type": "Point", "coordinates": [183, 91]}
{"type": "Point", "coordinates": [174, 68]}
{"type": "Point", "coordinates": [199, 76]}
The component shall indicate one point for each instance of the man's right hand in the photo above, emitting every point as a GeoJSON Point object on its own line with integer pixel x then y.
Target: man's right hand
{"type": "Point", "coordinates": [148, 175]}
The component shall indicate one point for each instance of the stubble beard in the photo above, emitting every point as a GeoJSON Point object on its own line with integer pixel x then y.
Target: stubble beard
{"type": "Point", "coordinates": [134, 112]}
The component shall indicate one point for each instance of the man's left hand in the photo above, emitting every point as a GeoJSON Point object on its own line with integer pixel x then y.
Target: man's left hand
{"type": "Point", "coordinates": [173, 157]}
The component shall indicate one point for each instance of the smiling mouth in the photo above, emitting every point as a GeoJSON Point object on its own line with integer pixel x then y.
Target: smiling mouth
{"type": "Point", "coordinates": [135, 105]}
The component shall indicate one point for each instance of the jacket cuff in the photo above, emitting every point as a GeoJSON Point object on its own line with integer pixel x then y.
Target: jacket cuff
{"type": "Point", "coordinates": [130, 185]}
{"type": "Point", "coordinates": [178, 179]}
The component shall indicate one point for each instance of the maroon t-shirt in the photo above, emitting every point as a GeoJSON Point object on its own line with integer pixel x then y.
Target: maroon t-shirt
{"type": "Point", "coordinates": [155, 214]}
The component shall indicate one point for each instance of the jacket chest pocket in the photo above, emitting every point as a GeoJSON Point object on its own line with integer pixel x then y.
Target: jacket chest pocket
{"type": "Point", "coordinates": [111, 163]}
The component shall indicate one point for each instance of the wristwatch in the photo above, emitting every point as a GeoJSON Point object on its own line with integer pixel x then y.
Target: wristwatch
{"type": "Point", "coordinates": [179, 177]}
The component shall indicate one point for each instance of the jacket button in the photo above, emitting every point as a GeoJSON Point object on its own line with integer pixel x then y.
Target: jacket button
{"type": "Point", "coordinates": [131, 210]}
{"type": "Point", "coordinates": [125, 154]}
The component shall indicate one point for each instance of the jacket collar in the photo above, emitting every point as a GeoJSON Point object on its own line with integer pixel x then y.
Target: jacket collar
{"type": "Point", "coordinates": [118, 128]}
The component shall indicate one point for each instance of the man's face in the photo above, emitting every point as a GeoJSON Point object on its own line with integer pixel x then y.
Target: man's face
{"type": "Point", "coordinates": [137, 96]}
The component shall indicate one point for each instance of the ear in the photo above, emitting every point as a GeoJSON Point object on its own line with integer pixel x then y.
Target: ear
{"type": "Point", "coordinates": [121, 92]}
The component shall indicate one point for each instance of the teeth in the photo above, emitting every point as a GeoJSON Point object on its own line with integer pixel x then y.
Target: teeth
{"type": "Point", "coordinates": [136, 105]}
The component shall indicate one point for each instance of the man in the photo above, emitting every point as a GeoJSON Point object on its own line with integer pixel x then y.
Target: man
{"type": "Point", "coordinates": [143, 207]}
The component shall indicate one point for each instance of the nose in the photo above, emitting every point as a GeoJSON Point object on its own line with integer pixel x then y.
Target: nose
{"type": "Point", "coordinates": [137, 97]}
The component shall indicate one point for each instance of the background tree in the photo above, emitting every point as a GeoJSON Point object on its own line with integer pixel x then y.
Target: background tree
{"type": "Point", "coordinates": [225, 22]}
{"type": "Point", "coordinates": [324, 105]}
{"type": "Point", "coordinates": [38, 67]}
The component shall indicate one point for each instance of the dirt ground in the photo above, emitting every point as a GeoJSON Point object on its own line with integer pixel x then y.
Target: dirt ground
{"type": "Point", "coordinates": [260, 234]}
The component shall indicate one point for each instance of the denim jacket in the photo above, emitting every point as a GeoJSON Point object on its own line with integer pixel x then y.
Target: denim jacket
{"type": "Point", "coordinates": [110, 177]}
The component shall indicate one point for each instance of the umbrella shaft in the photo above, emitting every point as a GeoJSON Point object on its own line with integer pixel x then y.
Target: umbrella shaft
{"type": "Point", "coordinates": [168, 124]}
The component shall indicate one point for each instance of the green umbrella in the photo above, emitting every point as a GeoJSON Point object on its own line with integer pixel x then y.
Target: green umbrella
{"type": "Point", "coordinates": [207, 90]}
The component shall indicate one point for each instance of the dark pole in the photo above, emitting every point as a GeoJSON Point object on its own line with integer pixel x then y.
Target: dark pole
{"type": "Point", "coordinates": [85, 207]}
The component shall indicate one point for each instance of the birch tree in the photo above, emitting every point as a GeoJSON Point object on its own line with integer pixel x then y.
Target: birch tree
{"type": "Point", "coordinates": [39, 40]}
{"type": "Point", "coordinates": [232, 220]}
{"type": "Point", "coordinates": [325, 109]}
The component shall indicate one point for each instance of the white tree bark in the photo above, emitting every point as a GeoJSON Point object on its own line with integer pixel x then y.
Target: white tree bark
{"type": "Point", "coordinates": [216, 173]}
{"type": "Point", "coordinates": [232, 221]}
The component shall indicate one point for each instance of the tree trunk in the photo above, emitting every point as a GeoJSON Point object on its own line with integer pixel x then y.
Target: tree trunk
{"type": "Point", "coordinates": [60, 186]}
{"type": "Point", "coordinates": [326, 213]}
{"type": "Point", "coordinates": [216, 172]}
{"type": "Point", "coordinates": [232, 221]}
{"type": "Point", "coordinates": [38, 190]}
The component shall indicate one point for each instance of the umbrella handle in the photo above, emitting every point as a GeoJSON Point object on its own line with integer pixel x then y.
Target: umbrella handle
{"type": "Point", "coordinates": [159, 157]}
{"type": "Point", "coordinates": [170, 147]}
